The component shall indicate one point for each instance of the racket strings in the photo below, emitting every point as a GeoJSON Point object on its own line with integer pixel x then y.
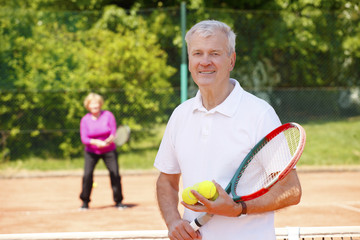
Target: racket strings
{"type": "Point", "coordinates": [247, 163]}
{"type": "Point", "coordinates": [271, 159]}
{"type": "Point", "coordinates": [122, 135]}
{"type": "Point", "coordinates": [277, 154]}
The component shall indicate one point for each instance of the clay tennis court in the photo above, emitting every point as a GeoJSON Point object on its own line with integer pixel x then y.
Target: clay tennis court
{"type": "Point", "coordinates": [50, 203]}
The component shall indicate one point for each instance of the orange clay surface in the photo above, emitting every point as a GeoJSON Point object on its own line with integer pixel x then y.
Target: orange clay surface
{"type": "Point", "coordinates": [35, 203]}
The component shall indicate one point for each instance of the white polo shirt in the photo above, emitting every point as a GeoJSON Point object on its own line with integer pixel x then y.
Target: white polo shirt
{"type": "Point", "coordinates": [206, 145]}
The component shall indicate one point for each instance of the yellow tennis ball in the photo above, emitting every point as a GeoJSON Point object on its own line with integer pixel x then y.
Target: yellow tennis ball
{"type": "Point", "coordinates": [94, 184]}
{"type": "Point", "coordinates": [207, 189]}
{"type": "Point", "coordinates": [188, 197]}
{"type": "Point", "coordinates": [215, 196]}
{"type": "Point", "coordinates": [195, 187]}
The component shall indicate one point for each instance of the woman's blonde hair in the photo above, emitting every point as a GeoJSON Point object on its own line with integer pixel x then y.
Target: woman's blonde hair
{"type": "Point", "coordinates": [91, 97]}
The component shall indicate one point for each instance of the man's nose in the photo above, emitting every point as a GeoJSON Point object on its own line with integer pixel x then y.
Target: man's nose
{"type": "Point", "coordinates": [205, 60]}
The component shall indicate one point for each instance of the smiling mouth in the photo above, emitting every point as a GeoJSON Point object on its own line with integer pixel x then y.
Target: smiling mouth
{"type": "Point", "coordinates": [206, 72]}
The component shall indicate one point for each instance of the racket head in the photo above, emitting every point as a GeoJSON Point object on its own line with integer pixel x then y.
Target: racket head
{"type": "Point", "coordinates": [271, 160]}
{"type": "Point", "coordinates": [122, 135]}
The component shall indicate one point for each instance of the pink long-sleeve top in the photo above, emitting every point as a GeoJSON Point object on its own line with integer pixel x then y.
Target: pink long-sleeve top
{"type": "Point", "coordinates": [100, 128]}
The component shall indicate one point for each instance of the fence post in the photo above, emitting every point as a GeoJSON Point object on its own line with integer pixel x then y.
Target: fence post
{"type": "Point", "coordinates": [183, 68]}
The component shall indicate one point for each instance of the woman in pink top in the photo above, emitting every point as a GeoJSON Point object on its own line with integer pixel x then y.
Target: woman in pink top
{"type": "Point", "coordinates": [97, 131]}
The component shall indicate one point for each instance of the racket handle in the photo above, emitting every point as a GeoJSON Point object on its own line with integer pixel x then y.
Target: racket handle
{"type": "Point", "coordinates": [200, 220]}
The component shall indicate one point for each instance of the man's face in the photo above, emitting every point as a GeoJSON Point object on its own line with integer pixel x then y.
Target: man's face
{"type": "Point", "coordinates": [209, 60]}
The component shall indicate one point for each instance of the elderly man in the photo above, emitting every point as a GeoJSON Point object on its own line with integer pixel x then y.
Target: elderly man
{"type": "Point", "coordinates": [206, 139]}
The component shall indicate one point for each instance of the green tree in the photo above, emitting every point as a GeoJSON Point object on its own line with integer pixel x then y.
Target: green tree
{"type": "Point", "coordinates": [54, 67]}
{"type": "Point", "coordinates": [53, 52]}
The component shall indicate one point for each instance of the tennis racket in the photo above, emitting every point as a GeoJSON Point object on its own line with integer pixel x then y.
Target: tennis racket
{"type": "Point", "coordinates": [122, 135]}
{"type": "Point", "coordinates": [275, 155]}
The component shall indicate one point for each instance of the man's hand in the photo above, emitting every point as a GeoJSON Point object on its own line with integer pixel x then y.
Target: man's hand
{"type": "Point", "coordinates": [181, 229]}
{"type": "Point", "coordinates": [223, 205]}
{"type": "Point", "coordinates": [167, 189]}
{"type": "Point", "coordinates": [285, 193]}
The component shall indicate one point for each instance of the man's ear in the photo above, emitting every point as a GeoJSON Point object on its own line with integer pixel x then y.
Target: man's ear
{"type": "Point", "coordinates": [232, 61]}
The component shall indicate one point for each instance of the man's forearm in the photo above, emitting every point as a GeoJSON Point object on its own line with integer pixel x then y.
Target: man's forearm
{"type": "Point", "coordinates": [167, 195]}
{"type": "Point", "coordinates": [285, 193]}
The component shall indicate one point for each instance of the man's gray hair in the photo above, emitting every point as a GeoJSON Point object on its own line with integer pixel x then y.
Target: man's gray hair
{"type": "Point", "coordinates": [208, 28]}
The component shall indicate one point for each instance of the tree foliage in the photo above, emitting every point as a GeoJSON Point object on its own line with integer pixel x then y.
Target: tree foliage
{"type": "Point", "coordinates": [52, 65]}
{"type": "Point", "coordinates": [53, 52]}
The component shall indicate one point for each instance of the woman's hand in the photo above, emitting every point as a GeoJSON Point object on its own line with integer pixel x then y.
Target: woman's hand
{"type": "Point", "coordinates": [109, 140]}
{"type": "Point", "coordinates": [98, 143]}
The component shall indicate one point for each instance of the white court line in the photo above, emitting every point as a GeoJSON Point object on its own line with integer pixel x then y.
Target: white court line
{"type": "Point", "coordinates": [63, 211]}
{"type": "Point", "coordinates": [351, 208]}
{"type": "Point", "coordinates": [52, 212]}
{"type": "Point", "coordinates": [42, 212]}
{"type": "Point", "coordinates": [311, 204]}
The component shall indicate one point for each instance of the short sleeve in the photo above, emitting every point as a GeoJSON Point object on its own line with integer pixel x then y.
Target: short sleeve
{"type": "Point", "coordinates": [166, 160]}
